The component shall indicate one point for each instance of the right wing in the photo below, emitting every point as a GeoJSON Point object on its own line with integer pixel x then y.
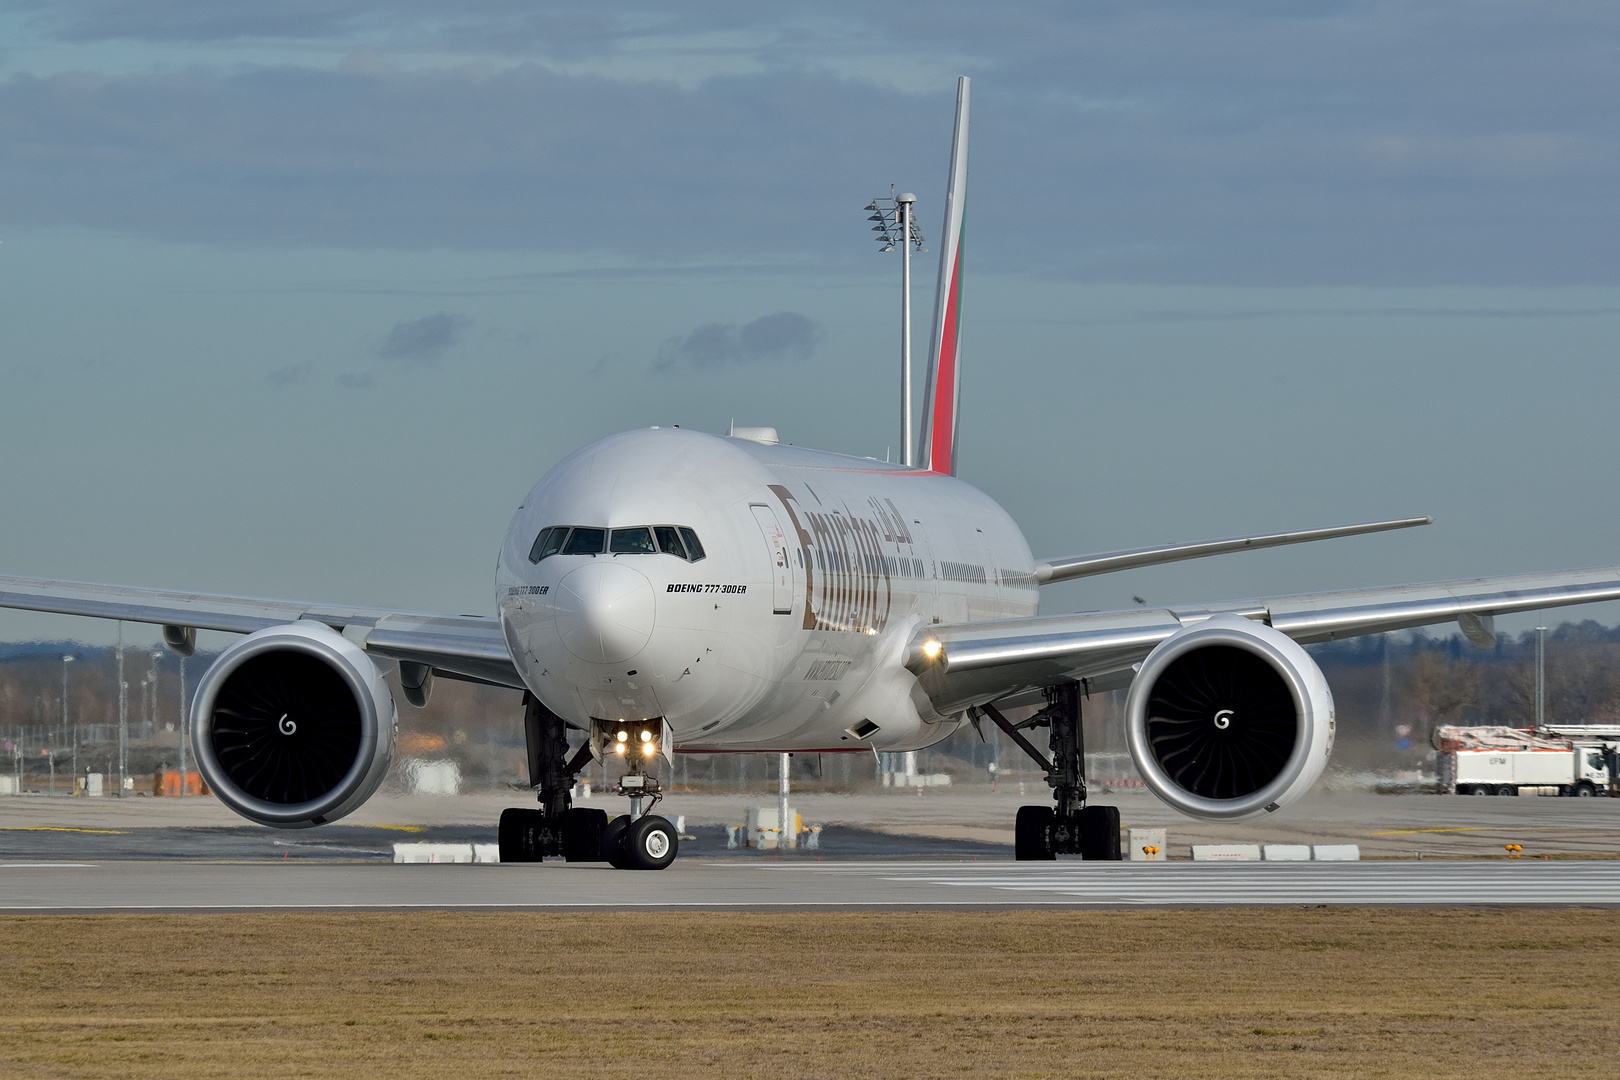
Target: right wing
{"type": "Point", "coordinates": [964, 664]}
{"type": "Point", "coordinates": [1109, 562]}
{"type": "Point", "coordinates": [467, 647]}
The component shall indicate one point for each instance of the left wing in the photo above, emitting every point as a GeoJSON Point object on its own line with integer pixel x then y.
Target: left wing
{"type": "Point", "coordinates": [457, 646]}
{"type": "Point", "coordinates": [965, 664]}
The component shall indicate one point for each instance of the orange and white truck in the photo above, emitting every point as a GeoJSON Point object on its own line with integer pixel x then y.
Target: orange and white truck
{"type": "Point", "coordinates": [1579, 761]}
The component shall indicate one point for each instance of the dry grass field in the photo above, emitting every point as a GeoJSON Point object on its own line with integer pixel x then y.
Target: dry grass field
{"type": "Point", "coordinates": [1229, 993]}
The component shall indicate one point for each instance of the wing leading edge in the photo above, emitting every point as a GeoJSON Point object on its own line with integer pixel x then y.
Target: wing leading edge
{"type": "Point", "coordinates": [965, 664]}
{"type": "Point", "coordinates": [457, 646]}
{"type": "Point", "coordinates": [1048, 571]}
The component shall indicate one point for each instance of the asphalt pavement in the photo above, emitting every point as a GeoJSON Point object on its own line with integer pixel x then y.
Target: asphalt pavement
{"type": "Point", "coordinates": [761, 883]}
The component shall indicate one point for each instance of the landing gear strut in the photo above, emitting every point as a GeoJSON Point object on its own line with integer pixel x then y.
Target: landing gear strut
{"type": "Point", "coordinates": [634, 841]}
{"type": "Point", "coordinates": [1070, 827]}
{"type": "Point", "coordinates": [557, 827]}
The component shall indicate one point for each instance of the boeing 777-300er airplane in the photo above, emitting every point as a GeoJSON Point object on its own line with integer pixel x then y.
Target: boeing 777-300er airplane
{"type": "Point", "coordinates": [667, 590]}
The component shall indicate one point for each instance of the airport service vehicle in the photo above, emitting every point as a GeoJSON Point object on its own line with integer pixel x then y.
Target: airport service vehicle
{"type": "Point", "coordinates": [666, 590]}
{"type": "Point", "coordinates": [1514, 761]}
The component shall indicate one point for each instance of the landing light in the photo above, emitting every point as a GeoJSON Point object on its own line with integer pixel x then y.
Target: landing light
{"type": "Point", "coordinates": [618, 748]}
{"type": "Point", "coordinates": [646, 736]}
{"type": "Point", "coordinates": [622, 736]}
{"type": "Point", "coordinates": [931, 649]}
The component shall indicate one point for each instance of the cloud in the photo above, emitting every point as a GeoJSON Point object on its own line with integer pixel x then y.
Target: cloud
{"type": "Point", "coordinates": [1349, 142]}
{"type": "Point", "coordinates": [423, 341]}
{"type": "Point", "coordinates": [356, 380]}
{"type": "Point", "coordinates": [291, 375]}
{"type": "Point", "coordinates": [785, 336]}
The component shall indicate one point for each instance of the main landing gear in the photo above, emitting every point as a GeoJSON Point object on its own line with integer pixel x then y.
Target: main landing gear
{"type": "Point", "coordinates": [1070, 827]}
{"type": "Point", "coordinates": [634, 841]}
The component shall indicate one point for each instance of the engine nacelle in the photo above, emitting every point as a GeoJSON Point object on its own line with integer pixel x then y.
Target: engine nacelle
{"type": "Point", "coordinates": [1229, 719]}
{"type": "Point", "coordinates": [293, 726]}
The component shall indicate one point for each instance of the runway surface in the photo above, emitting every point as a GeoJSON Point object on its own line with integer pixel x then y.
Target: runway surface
{"type": "Point", "coordinates": [348, 843]}
{"type": "Point", "coordinates": [758, 884]}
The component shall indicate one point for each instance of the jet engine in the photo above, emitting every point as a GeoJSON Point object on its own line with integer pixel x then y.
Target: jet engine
{"type": "Point", "coordinates": [1229, 719]}
{"type": "Point", "coordinates": [293, 726]}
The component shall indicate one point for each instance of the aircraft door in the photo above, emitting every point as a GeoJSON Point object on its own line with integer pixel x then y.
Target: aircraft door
{"type": "Point", "coordinates": [781, 568]}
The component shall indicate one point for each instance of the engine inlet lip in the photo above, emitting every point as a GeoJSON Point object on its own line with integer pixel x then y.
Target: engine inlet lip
{"type": "Point", "coordinates": [1251, 637]}
{"type": "Point", "coordinates": [315, 640]}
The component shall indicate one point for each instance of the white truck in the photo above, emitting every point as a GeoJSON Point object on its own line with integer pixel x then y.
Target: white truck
{"type": "Point", "coordinates": [1576, 761]}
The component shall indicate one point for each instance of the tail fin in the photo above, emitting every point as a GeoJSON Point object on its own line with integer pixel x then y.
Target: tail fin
{"type": "Point", "coordinates": [944, 354]}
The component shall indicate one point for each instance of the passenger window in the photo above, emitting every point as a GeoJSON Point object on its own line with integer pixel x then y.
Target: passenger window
{"type": "Point", "coordinates": [585, 542]}
{"type": "Point", "coordinates": [636, 541]}
{"type": "Point", "coordinates": [694, 550]}
{"type": "Point", "coordinates": [538, 551]}
{"type": "Point", "coordinates": [669, 541]}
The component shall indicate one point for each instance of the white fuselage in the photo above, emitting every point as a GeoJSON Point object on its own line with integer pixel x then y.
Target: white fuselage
{"type": "Point", "coordinates": [817, 569]}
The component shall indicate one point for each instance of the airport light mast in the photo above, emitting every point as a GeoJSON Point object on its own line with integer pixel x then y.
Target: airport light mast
{"type": "Point", "coordinates": [182, 727]}
{"type": "Point", "coordinates": [897, 224]}
{"type": "Point", "coordinates": [1541, 677]}
{"type": "Point", "coordinates": [66, 660]}
{"type": "Point", "coordinates": [123, 714]}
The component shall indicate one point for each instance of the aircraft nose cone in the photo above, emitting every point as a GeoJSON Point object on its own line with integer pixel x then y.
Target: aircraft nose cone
{"type": "Point", "coordinates": [604, 612]}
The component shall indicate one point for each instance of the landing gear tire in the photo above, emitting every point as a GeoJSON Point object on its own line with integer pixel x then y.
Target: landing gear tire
{"type": "Point", "coordinates": [650, 843]}
{"type": "Point", "coordinates": [582, 831]}
{"type": "Point", "coordinates": [1099, 833]}
{"type": "Point", "coordinates": [519, 835]}
{"type": "Point", "coordinates": [613, 842]}
{"type": "Point", "coordinates": [1032, 834]}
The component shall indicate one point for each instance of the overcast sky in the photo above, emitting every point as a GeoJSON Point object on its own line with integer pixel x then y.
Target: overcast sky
{"type": "Point", "coordinates": [299, 298]}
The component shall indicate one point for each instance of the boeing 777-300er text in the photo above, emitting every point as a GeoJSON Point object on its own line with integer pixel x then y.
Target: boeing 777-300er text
{"type": "Point", "coordinates": [667, 590]}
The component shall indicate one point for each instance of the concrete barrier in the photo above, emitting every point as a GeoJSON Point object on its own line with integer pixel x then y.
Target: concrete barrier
{"type": "Point", "coordinates": [435, 853]}
{"type": "Point", "coordinates": [1226, 852]}
{"type": "Point", "coordinates": [486, 853]}
{"type": "Point", "coordinates": [1286, 853]}
{"type": "Point", "coordinates": [1336, 852]}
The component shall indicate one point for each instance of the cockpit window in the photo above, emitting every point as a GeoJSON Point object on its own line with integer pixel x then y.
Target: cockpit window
{"type": "Point", "coordinates": [585, 542]}
{"type": "Point", "coordinates": [636, 541]}
{"type": "Point", "coordinates": [549, 542]}
{"type": "Point", "coordinates": [537, 552]}
{"type": "Point", "coordinates": [694, 550]}
{"type": "Point", "coordinates": [669, 541]}
{"type": "Point", "coordinates": [676, 540]}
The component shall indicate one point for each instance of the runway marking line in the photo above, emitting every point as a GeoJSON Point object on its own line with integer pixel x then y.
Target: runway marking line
{"type": "Point", "coordinates": [1505, 828]}
{"type": "Point", "coordinates": [62, 828]}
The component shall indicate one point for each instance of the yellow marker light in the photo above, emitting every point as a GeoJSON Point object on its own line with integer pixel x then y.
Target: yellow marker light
{"type": "Point", "coordinates": [931, 649]}
{"type": "Point", "coordinates": [646, 736]}
{"type": "Point", "coordinates": [622, 736]}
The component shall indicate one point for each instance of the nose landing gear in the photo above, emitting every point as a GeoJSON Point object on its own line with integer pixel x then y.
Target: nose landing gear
{"type": "Point", "coordinates": [640, 840]}
{"type": "Point", "coordinates": [1071, 827]}
{"type": "Point", "coordinates": [636, 841]}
